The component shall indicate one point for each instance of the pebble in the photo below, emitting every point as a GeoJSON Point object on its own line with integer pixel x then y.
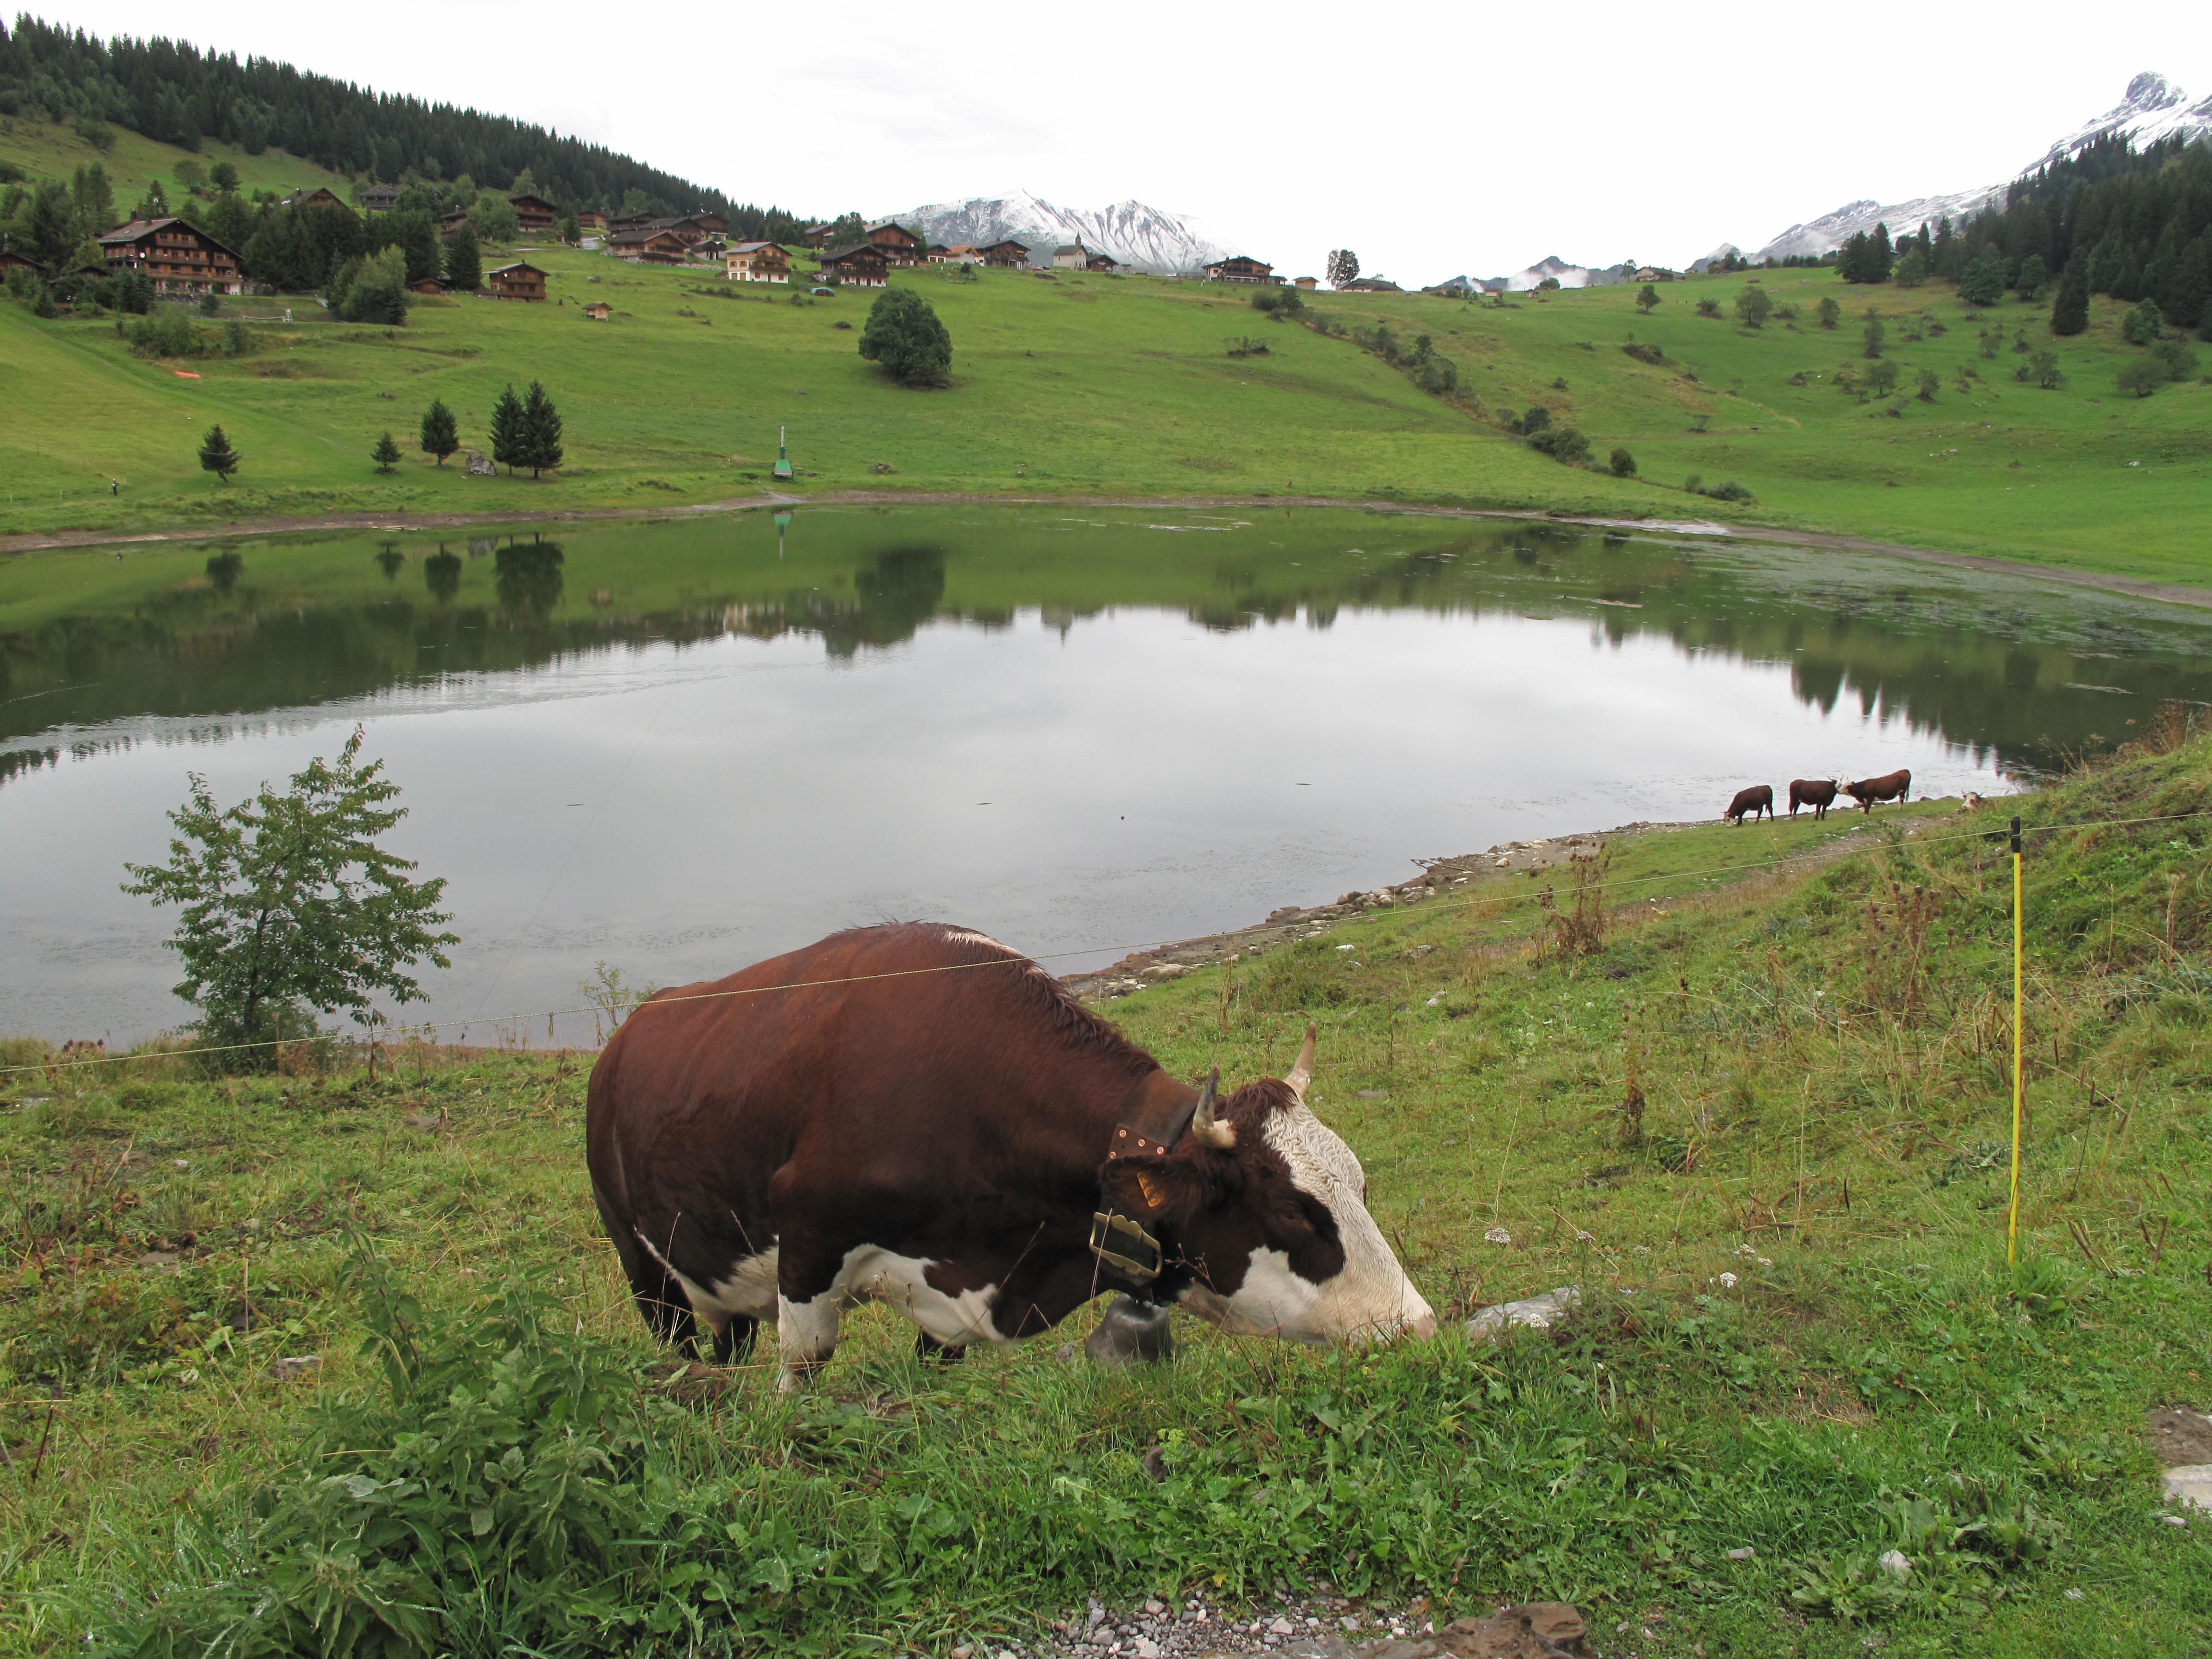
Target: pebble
{"type": "Point", "coordinates": [1743, 1554]}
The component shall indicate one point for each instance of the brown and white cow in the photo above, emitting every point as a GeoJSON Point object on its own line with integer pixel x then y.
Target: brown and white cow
{"type": "Point", "coordinates": [918, 1115]}
{"type": "Point", "coordinates": [1894, 785]}
{"type": "Point", "coordinates": [1818, 793]}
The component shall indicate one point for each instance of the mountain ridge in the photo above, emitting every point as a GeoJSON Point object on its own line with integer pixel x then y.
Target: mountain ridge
{"type": "Point", "coordinates": [1143, 237]}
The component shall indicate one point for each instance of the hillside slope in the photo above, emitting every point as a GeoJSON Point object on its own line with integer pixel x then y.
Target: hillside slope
{"type": "Point", "coordinates": [43, 151]}
{"type": "Point", "coordinates": [1125, 386]}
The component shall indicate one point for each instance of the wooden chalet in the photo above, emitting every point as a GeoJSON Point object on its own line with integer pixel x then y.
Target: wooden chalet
{"type": "Point", "coordinates": [1241, 268]}
{"type": "Point", "coordinates": [648, 247]}
{"type": "Point", "coordinates": [757, 262]}
{"type": "Point", "coordinates": [515, 281]}
{"type": "Point", "coordinates": [1008, 253]}
{"type": "Point", "coordinates": [712, 223]}
{"type": "Point", "coordinates": [535, 214]}
{"type": "Point", "coordinates": [960, 253]}
{"type": "Point", "coordinates": [937, 254]}
{"type": "Point", "coordinates": [179, 257]}
{"type": "Point", "coordinates": [1095, 261]}
{"type": "Point", "coordinates": [591, 219]}
{"type": "Point", "coordinates": [378, 199]}
{"type": "Point", "coordinates": [426, 285]}
{"type": "Point", "coordinates": [597, 312]}
{"type": "Point", "coordinates": [859, 264]}
{"type": "Point", "coordinates": [900, 245]}
{"type": "Point", "coordinates": [312, 199]}
{"type": "Point", "coordinates": [450, 223]}
{"type": "Point", "coordinates": [818, 235]}
{"type": "Point", "coordinates": [16, 261]}
{"type": "Point", "coordinates": [1307, 282]}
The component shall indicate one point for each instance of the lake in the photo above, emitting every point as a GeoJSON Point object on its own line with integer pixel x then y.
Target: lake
{"type": "Point", "coordinates": [679, 747]}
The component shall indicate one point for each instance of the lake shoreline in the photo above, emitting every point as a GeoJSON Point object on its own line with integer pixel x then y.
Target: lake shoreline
{"type": "Point", "coordinates": [2132, 587]}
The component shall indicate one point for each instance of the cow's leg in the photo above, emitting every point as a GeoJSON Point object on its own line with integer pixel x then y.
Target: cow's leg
{"type": "Point", "coordinates": [927, 1347]}
{"type": "Point", "coordinates": [733, 1341]}
{"type": "Point", "coordinates": [805, 1337]}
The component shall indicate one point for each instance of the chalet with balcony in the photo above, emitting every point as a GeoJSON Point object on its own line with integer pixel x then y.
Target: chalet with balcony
{"type": "Point", "coordinates": [648, 247]}
{"type": "Point", "coordinates": [590, 221]}
{"type": "Point", "coordinates": [514, 282]}
{"type": "Point", "coordinates": [378, 198]}
{"type": "Point", "coordinates": [314, 198]}
{"type": "Point", "coordinates": [1097, 261]}
{"type": "Point", "coordinates": [179, 257]}
{"type": "Point", "coordinates": [818, 235]}
{"type": "Point", "coordinates": [1008, 253]}
{"type": "Point", "coordinates": [535, 214]}
{"type": "Point", "coordinates": [450, 223]}
{"type": "Point", "coordinates": [862, 265]}
{"type": "Point", "coordinates": [900, 245]}
{"type": "Point", "coordinates": [757, 262]}
{"type": "Point", "coordinates": [1241, 268]}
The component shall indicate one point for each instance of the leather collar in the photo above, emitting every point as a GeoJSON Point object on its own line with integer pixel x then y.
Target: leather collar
{"type": "Point", "coordinates": [1124, 1247]}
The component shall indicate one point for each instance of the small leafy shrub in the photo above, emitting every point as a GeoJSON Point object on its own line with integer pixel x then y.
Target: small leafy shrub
{"type": "Point", "coordinates": [1243, 345]}
{"type": "Point", "coordinates": [1644, 353]}
{"type": "Point", "coordinates": [1708, 307]}
{"type": "Point", "coordinates": [1564, 444]}
{"type": "Point", "coordinates": [1621, 464]}
{"type": "Point", "coordinates": [2143, 325]}
{"type": "Point", "coordinates": [167, 333]}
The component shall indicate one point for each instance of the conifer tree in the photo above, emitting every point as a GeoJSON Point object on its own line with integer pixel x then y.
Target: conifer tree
{"type": "Point", "coordinates": [440, 436]}
{"type": "Point", "coordinates": [506, 431]}
{"type": "Point", "coordinates": [2069, 312]}
{"type": "Point", "coordinates": [385, 454]}
{"type": "Point", "coordinates": [216, 455]}
{"type": "Point", "coordinates": [1881, 257]}
{"type": "Point", "coordinates": [463, 261]}
{"type": "Point", "coordinates": [541, 431]}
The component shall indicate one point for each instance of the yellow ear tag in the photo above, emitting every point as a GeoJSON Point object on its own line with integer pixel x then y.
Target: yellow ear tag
{"type": "Point", "coordinates": [1151, 1193]}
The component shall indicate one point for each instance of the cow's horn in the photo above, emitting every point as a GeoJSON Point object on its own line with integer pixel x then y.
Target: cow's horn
{"type": "Point", "coordinates": [1302, 1073]}
{"type": "Point", "coordinates": [1202, 1121]}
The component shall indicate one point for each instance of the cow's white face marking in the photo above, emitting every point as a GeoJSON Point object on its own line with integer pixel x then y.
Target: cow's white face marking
{"type": "Point", "coordinates": [1371, 1300]}
{"type": "Point", "coordinates": [807, 1331]}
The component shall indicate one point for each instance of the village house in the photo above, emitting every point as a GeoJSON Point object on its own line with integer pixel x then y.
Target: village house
{"type": "Point", "coordinates": [312, 199]}
{"type": "Point", "coordinates": [899, 244]}
{"type": "Point", "coordinates": [535, 214]}
{"type": "Point", "coordinates": [378, 198]}
{"type": "Point", "coordinates": [514, 282]}
{"type": "Point", "coordinates": [859, 264]}
{"type": "Point", "coordinates": [1008, 253]}
{"type": "Point", "coordinates": [450, 223]}
{"type": "Point", "coordinates": [16, 262]}
{"type": "Point", "coordinates": [1309, 283]}
{"type": "Point", "coordinates": [938, 254]}
{"type": "Point", "coordinates": [1096, 261]}
{"type": "Point", "coordinates": [1240, 268]}
{"type": "Point", "coordinates": [712, 223]}
{"type": "Point", "coordinates": [960, 253]}
{"type": "Point", "coordinates": [757, 262]}
{"type": "Point", "coordinates": [179, 257]}
{"type": "Point", "coordinates": [426, 285]}
{"type": "Point", "coordinates": [597, 312]}
{"type": "Point", "coordinates": [650, 247]}
{"type": "Point", "coordinates": [818, 235]}
{"type": "Point", "coordinates": [591, 219]}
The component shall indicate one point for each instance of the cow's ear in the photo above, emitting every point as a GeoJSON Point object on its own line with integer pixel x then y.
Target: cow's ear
{"type": "Point", "coordinates": [1167, 1189]}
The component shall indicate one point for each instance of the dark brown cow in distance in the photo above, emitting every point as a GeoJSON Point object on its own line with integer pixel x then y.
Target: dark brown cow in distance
{"type": "Point", "coordinates": [1867, 791]}
{"type": "Point", "coordinates": [1818, 793]}
{"type": "Point", "coordinates": [918, 1115]}
{"type": "Point", "coordinates": [1751, 800]}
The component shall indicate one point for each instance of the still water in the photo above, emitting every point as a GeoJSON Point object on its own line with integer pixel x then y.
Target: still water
{"type": "Point", "coordinates": [680, 747]}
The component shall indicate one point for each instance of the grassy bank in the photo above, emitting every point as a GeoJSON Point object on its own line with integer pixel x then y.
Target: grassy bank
{"type": "Point", "coordinates": [1097, 385]}
{"type": "Point", "coordinates": [352, 1352]}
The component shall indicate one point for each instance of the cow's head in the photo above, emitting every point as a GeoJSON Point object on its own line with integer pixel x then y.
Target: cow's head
{"type": "Point", "coordinates": [1261, 1211]}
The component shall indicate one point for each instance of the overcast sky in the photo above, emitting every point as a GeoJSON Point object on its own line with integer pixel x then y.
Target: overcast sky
{"type": "Point", "coordinates": [1432, 139]}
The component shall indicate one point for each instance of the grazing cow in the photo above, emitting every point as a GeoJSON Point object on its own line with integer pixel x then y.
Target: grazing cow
{"type": "Point", "coordinates": [1867, 791]}
{"type": "Point", "coordinates": [918, 1115]}
{"type": "Point", "coordinates": [1752, 800]}
{"type": "Point", "coordinates": [1818, 793]}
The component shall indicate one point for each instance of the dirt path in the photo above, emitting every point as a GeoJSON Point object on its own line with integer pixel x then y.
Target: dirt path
{"type": "Point", "coordinates": [2169, 593]}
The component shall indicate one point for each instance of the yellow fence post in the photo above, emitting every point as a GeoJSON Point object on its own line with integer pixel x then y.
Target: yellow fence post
{"type": "Point", "coordinates": [2012, 1222]}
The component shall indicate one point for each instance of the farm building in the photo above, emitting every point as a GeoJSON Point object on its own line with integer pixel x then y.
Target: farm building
{"type": "Point", "coordinates": [1097, 261]}
{"type": "Point", "coordinates": [180, 259]}
{"type": "Point", "coordinates": [1306, 282]}
{"type": "Point", "coordinates": [599, 311]}
{"type": "Point", "coordinates": [426, 285]}
{"type": "Point", "coordinates": [1240, 268]}
{"type": "Point", "coordinates": [515, 281]}
{"type": "Point", "coordinates": [535, 214]}
{"type": "Point", "coordinates": [757, 262]}
{"type": "Point", "coordinates": [863, 264]}
{"type": "Point", "coordinates": [1008, 253]}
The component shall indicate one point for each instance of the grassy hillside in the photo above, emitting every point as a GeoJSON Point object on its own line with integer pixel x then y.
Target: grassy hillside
{"type": "Point", "coordinates": [133, 162]}
{"type": "Point", "coordinates": [1757, 1109]}
{"type": "Point", "coordinates": [1125, 386]}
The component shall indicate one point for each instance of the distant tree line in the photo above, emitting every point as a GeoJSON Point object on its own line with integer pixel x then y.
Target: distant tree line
{"type": "Point", "coordinates": [2133, 224]}
{"type": "Point", "coordinates": [172, 92]}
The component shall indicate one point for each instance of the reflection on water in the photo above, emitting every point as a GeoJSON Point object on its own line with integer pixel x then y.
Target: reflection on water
{"type": "Point", "coordinates": [680, 746]}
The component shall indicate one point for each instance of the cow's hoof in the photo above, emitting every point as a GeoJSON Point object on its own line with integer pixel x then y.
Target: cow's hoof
{"type": "Point", "coordinates": [1131, 1332]}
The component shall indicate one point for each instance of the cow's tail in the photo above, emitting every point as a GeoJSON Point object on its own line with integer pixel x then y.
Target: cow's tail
{"type": "Point", "coordinates": [661, 1300]}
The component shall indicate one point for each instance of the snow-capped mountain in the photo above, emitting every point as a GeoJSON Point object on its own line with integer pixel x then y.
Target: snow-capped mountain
{"type": "Point", "coordinates": [1530, 276]}
{"type": "Point", "coordinates": [1148, 238]}
{"type": "Point", "coordinates": [2154, 108]}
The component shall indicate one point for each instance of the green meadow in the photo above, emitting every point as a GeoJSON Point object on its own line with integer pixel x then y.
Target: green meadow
{"type": "Point", "coordinates": [329, 1362]}
{"type": "Point", "coordinates": [134, 161]}
{"type": "Point", "coordinates": [1119, 386]}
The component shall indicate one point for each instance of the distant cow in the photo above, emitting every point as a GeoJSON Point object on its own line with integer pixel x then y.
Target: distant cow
{"type": "Point", "coordinates": [1818, 793]}
{"type": "Point", "coordinates": [1758, 797]}
{"type": "Point", "coordinates": [918, 1115]}
{"type": "Point", "coordinates": [1867, 791]}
